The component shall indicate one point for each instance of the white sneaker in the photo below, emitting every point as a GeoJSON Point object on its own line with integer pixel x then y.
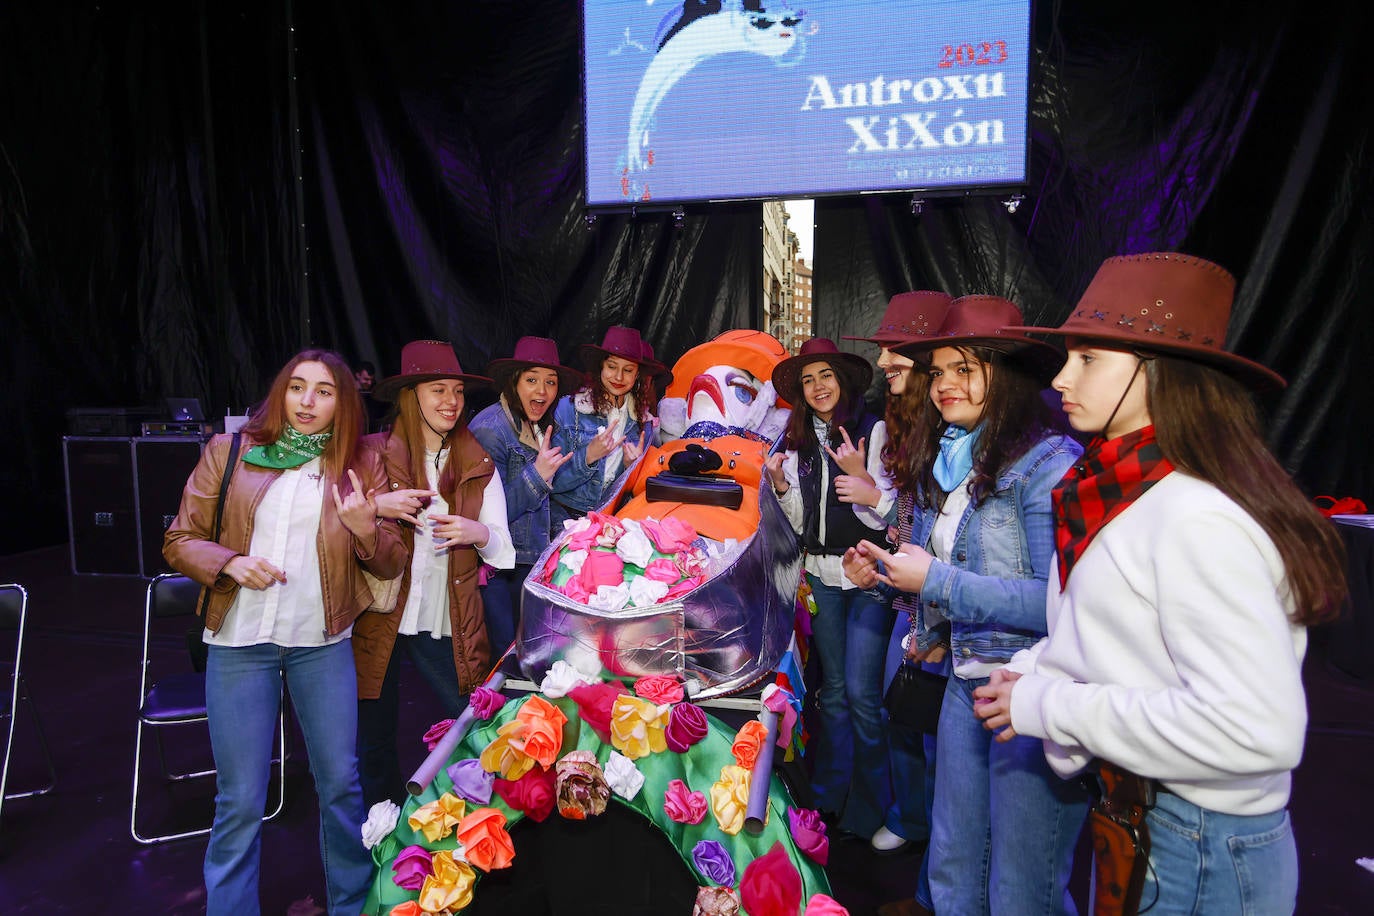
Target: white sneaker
{"type": "Point", "coordinates": [887, 841]}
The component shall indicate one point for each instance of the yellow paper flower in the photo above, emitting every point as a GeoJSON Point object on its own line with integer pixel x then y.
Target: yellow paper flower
{"type": "Point", "coordinates": [730, 798]}
{"type": "Point", "coordinates": [543, 734]}
{"type": "Point", "coordinates": [637, 726]}
{"type": "Point", "coordinates": [437, 819]}
{"type": "Point", "coordinates": [449, 889]}
{"type": "Point", "coordinates": [506, 756]}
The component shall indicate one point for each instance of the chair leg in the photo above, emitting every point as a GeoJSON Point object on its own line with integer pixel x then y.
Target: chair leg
{"type": "Point", "coordinates": [133, 805]}
{"type": "Point", "coordinates": [43, 746]}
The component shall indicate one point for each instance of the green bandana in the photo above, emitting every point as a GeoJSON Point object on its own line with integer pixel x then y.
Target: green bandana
{"type": "Point", "coordinates": [292, 450]}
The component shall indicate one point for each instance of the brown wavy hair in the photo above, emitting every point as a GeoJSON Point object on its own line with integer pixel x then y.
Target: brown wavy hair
{"type": "Point", "coordinates": [1014, 418]}
{"type": "Point", "coordinates": [1207, 426]}
{"type": "Point", "coordinates": [269, 418]}
{"type": "Point", "coordinates": [849, 407]}
{"type": "Point", "coordinates": [902, 419]}
{"type": "Point", "coordinates": [603, 401]}
{"type": "Point", "coordinates": [517, 407]}
{"type": "Point", "coordinates": [410, 426]}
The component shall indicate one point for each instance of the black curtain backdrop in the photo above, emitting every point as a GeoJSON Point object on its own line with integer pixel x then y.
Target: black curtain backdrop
{"type": "Point", "coordinates": [191, 193]}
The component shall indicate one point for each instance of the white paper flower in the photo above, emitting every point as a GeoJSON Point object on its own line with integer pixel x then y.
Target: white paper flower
{"type": "Point", "coordinates": [645, 591]}
{"type": "Point", "coordinates": [635, 547]}
{"type": "Point", "coordinates": [381, 820]}
{"type": "Point", "coordinates": [610, 597]}
{"type": "Point", "coordinates": [623, 776]}
{"type": "Point", "coordinates": [574, 525]}
{"type": "Point", "coordinates": [573, 559]}
{"type": "Point", "coordinates": [561, 678]}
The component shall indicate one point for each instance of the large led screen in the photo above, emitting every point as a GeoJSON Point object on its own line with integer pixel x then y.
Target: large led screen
{"type": "Point", "coordinates": [731, 99]}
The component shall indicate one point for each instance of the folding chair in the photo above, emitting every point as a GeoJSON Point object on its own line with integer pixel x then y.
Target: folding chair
{"type": "Point", "coordinates": [179, 699]}
{"type": "Point", "coordinates": [14, 605]}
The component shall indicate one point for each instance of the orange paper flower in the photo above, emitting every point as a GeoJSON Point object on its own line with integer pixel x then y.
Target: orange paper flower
{"type": "Point", "coordinates": [506, 756]}
{"type": "Point", "coordinates": [637, 727]}
{"type": "Point", "coordinates": [485, 841]}
{"type": "Point", "coordinates": [543, 735]}
{"type": "Point", "coordinates": [409, 908]}
{"type": "Point", "coordinates": [730, 798]}
{"type": "Point", "coordinates": [437, 819]}
{"type": "Point", "coordinates": [450, 887]}
{"type": "Point", "coordinates": [748, 742]}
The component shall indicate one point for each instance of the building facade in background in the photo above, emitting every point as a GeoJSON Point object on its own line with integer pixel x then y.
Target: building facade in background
{"type": "Point", "coordinates": [801, 305]}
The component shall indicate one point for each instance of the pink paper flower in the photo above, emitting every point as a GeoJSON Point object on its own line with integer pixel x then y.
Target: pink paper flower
{"type": "Point", "coordinates": [662, 570]}
{"type": "Point", "coordinates": [771, 885]}
{"type": "Point", "coordinates": [808, 832]}
{"type": "Point", "coordinates": [691, 562]}
{"type": "Point", "coordinates": [486, 702]}
{"type": "Point", "coordinates": [686, 726]}
{"type": "Point", "coordinates": [669, 535]}
{"type": "Point", "coordinates": [659, 689]}
{"type": "Point", "coordinates": [436, 732]}
{"type": "Point", "coordinates": [683, 805]}
{"type": "Point", "coordinates": [602, 567]}
{"type": "Point", "coordinates": [824, 905]}
{"type": "Point", "coordinates": [683, 587]}
{"type": "Point", "coordinates": [612, 529]}
{"type": "Point", "coordinates": [412, 867]}
{"type": "Point", "coordinates": [583, 533]}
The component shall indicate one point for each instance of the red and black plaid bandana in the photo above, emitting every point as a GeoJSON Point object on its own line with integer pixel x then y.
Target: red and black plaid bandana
{"type": "Point", "coordinates": [1111, 475]}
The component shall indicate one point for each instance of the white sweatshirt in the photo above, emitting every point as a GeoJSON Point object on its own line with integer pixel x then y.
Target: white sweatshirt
{"type": "Point", "coordinates": [1171, 653]}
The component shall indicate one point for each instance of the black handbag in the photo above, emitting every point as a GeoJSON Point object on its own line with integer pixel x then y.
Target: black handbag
{"type": "Point", "coordinates": [914, 698]}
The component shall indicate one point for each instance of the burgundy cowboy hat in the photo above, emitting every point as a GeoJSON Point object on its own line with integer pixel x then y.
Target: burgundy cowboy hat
{"type": "Point", "coordinates": [619, 341]}
{"type": "Point", "coordinates": [856, 371]}
{"type": "Point", "coordinates": [992, 322]}
{"type": "Point", "coordinates": [424, 361]}
{"type": "Point", "coordinates": [909, 318]}
{"type": "Point", "coordinates": [662, 375]}
{"type": "Point", "coordinates": [535, 351]}
{"type": "Point", "coordinates": [1164, 302]}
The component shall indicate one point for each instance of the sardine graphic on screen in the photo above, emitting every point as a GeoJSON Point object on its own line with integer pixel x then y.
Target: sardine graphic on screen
{"type": "Point", "coordinates": [697, 31]}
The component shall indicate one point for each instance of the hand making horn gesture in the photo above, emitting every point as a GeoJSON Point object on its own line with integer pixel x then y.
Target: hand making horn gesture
{"type": "Point", "coordinates": [405, 505]}
{"type": "Point", "coordinates": [357, 510]}
{"type": "Point", "coordinates": [550, 458]}
{"type": "Point", "coordinates": [604, 442]}
{"type": "Point", "coordinates": [773, 465]}
{"type": "Point", "coordinates": [631, 450]}
{"type": "Point", "coordinates": [852, 460]}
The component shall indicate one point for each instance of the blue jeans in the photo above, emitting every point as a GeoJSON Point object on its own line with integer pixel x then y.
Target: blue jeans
{"type": "Point", "coordinates": [243, 688]}
{"type": "Point", "coordinates": [1005, 825]}
{"type": "Point", "coordinates": [1204, 861]}
{"type": "Point", "coordinates": [501, 606]}
{"type": "Point", "coordinates": [379, 762]}
{"type": "Point", "coordinates": [850, 632]}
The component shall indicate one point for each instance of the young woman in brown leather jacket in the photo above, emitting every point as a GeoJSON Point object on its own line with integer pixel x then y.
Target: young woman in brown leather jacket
{"type": "Point", "coordinates": [448, 494]}
{"type": "Point", "coordinates": [296, 524]}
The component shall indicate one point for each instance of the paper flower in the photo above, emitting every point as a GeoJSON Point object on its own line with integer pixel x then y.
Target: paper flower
{"type": "Point", "coordinates": [602, 567]}
{"type": "Point", "coordinates": [662, 570]}
{"type": "Point", "coordinates": [634, 546]}
{"type": "Point", "coordinates": [623, 776]}
{"type": "Point", "coordinates": [637, 727]}
{"type": "Point", "coordinates": [471, 783]}
{"type": "Point", "coordinates": [411, 868]}
{"type": "Point", "coordinates": [686, 726]}
{"type": "Point", "coordinates": [573, 560]}
{"type": "Point", "coordinates": [534, 793]}
{"type": "Point", "coordinates": [505, 755]}
{"type": "Point", "coordinates": [748, 742]}
{"type": "Point", "coordinates": [714, 862]}
{"type": "Point", "coordinates": [808, 832]}
{"type": "Point", "coordinates": [823, 905]}
{"type": "Point", "coordinates": [691, 562]}
{"type": "Point", "coordinates": [437, 819]}
{"type": "Point", "coordinates": [730, 798]}
{"type": "Point", "coordinates": [561, 678]}
{"type": "Point", "coordinates": [771, 885]}
{"type": "Point", "coordinates": [485, 840]}
{"type": "Point", "coordinates": [594, 705]}
{"type": "Point", "coordinates": [612, 529]}
{"type": "Point", "coordinates": [407, 908]}
{"type": "Point", "coordinates": [645, 592]}
{"type": "Point", "coordinates": [581, 533]}
{"type": "Point", "coordinates": [683, 805]}
{"type": "Point", "coordinates": [582, 789]}
{"type": "Point", "coordinates": [609, 597]}
{"type": "Point", "coordinates": [683, 587]}
{"type": "Point", "coordinates": [486, 703]}
{"type": "Point", "coordinates": [381, 820]}
{"type": "Point", "coordinates": [670, 535]}
{"type": "Point", "coordinates": [436, 731]}
{"type": "Point", "coordinates": [659, 689]}
{"type": "Point", "coordinates": [542, 736]}
{"type": "Point", "coordinates": [450, 887]}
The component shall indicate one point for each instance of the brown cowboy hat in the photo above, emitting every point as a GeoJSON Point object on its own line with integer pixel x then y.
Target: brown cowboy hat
{"type": "Point", "coordinates": [535, 351]}
{"type": "Point", "coordinates": [855, 371]}
{"type": "Point", "coordinates": [909, 317]}
{"type": "Point", "coordinates": [424, 361]}
{"type": "Point", "coordinates": [988, 321]}
{"type": "Point", "coordinates": [1164, 302]}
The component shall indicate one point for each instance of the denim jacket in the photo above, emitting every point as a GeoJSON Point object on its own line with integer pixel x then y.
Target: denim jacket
{"type": "Point", "coordinates": [527, 495]}
{"type": "Point", "coordinates": [578, 487]}
{"type": "Point", "coordinates": [993, 593]}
